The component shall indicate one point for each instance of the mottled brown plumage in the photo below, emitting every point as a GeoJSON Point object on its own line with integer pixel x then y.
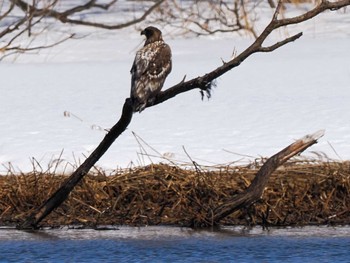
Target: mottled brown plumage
{"type": "Point", "coordinates": [151, 66]}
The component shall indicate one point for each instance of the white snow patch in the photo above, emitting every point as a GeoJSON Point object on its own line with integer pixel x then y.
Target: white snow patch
{"type": "Point", "coordinates": [256, 109]}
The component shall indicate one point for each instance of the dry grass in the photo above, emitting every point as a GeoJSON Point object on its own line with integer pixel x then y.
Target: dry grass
{"type": "Point", "coordinates": [299, 193]}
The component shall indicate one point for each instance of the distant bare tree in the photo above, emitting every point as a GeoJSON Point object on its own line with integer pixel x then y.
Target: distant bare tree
{"type": "Point", "coordinates": [22, 21]}
{"type": "Point", "coordinates": [209, 17]}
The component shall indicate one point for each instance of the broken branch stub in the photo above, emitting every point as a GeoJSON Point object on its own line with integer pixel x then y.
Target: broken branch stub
{"type": "Point", "coordinates": [256, 188]}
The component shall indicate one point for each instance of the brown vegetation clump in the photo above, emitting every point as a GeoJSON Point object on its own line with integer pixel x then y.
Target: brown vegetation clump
{"type": "Point", "coordinates": [298, 193]}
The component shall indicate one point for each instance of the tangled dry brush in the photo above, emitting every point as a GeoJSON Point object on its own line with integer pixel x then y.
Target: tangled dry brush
{"type": "Point", "coordinates": [298, 193]}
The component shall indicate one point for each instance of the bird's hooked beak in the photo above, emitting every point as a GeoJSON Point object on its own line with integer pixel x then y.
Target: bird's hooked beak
{"type": "Point", "coordinates": [143, 32]}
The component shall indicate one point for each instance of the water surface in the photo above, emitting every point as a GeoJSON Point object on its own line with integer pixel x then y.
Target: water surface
{"type": "Point", "coordinates": [173, 244]}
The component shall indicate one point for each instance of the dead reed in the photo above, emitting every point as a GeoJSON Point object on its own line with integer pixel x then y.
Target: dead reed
{"type": "Point", "coordinates": [299, 193]}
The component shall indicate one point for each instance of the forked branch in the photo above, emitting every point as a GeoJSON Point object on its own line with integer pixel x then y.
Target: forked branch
{"type": "Point", "coordinates": [65, 16]}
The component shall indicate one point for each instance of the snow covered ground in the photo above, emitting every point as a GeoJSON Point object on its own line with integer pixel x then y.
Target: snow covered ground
{"type": "Point", "coordinates": [255, 110]}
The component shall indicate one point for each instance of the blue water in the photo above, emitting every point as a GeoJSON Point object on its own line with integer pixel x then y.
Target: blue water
{"type": "Point", "coordinates": [161, 244]}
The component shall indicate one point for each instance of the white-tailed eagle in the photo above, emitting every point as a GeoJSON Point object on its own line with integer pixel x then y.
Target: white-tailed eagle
{"type": "Point", "coordinates": [151, 66]}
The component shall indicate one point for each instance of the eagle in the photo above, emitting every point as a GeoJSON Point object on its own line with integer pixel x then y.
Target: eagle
{"type": "Point", "coordinates": [152, 64]}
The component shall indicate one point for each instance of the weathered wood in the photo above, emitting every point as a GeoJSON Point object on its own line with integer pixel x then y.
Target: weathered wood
{"type": "Point", "coordinates": [256, 188]}
{"type": "Point", "coordinates": [62, 193]}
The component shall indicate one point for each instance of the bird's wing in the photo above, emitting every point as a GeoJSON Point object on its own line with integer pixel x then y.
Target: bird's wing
{"type": "Point", "coordinates": [159, 65]}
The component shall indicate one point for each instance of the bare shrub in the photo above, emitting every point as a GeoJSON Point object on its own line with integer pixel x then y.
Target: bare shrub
{"type": "Point", "coordinates": [32, 25]}
{"type": "Point", "coordinates": [208, 17]}
{"type": "Point", "coordinates": [23, 21]}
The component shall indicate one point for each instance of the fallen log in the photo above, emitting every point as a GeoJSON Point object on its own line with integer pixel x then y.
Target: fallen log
{"type": "Point", "coordinates": [256, 188]}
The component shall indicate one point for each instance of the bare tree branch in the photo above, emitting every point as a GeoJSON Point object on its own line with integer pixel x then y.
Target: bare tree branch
{"type": "Point", "coordinates": [64, 16]}
{"type": "Point", "coordinates": [35, 11]}
{"type": "Point", "coordinates": [8, 11]}
{"type": "Point", "coordinates": [204, 83]}
{"type": "Point", "coordinates": [18, 34]}
{"type": "Point", "coordinates": [21, 49]}
{"type": "Point", "coordinates": [79, 8]}
{"type": "Point", "coordinates": [106, 6]}
{"type": "Point", "coordinates": [281, 43]}
{"type": "Point", "coordinates": [322, 6]}
{"type": "Point", "coordinates": [224, 16]}
{"type": "Point", "coordinates": [62, 193]}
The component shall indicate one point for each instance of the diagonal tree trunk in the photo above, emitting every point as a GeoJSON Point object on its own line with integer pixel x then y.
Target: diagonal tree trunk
{"type": "Point", "coordinates": [62, 193]}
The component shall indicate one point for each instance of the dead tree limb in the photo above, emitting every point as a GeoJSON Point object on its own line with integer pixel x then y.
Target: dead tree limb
{"type": "Point", "coordinates": [62, 193]}
{"type": "Point", "coordinates": [204, 83]}
{"type": "Point", "coordinates": [256, 188]}
{"type": "Point", "coordinates": [64, 16]}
